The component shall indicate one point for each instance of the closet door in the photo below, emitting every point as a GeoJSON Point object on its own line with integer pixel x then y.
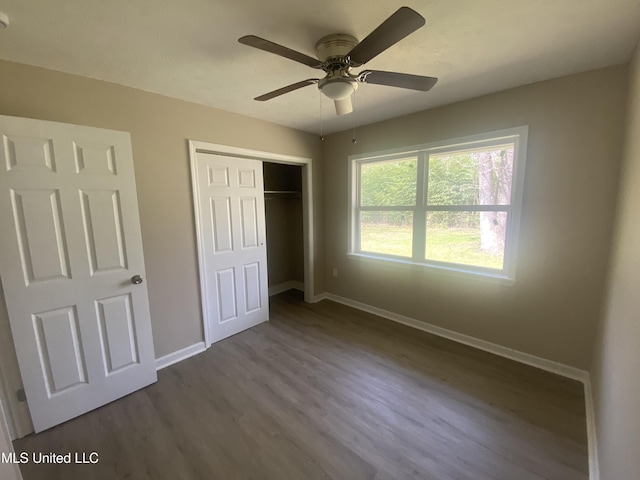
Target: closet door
{"type": "Point", "coordinates": [231, 234]}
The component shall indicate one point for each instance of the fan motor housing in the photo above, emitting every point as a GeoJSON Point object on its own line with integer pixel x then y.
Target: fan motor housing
{"type": "Point", "coordinates": [335, 45]}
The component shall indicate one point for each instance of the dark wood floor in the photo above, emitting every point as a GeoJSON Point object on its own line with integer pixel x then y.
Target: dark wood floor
{"type": "Point", "coordinates": [327, 392]}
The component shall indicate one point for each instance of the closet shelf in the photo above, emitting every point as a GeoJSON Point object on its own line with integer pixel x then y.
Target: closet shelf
{"type": "Point", "coordinates": [282, 194]}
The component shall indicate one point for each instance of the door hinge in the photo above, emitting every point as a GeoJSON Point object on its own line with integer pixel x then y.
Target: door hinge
{"type": "Point", "coordinates": [21, 395]}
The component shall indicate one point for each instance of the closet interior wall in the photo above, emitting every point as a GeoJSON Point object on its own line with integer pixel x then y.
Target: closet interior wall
{"type": "Point", "coordinates": [283, 211]}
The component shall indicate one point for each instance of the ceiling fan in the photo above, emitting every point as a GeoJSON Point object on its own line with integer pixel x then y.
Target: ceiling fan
{"type": "Point", "coordinates": [339, 53]}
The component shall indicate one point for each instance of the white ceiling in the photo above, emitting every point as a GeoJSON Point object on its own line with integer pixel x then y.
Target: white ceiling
{"type": "Point", "coordinates": [188, 49]}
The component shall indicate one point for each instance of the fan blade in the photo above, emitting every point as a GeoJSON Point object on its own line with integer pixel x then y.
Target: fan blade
{"type": "Point", "coordinates": [394, 79]}
{"type": "Point", "coordinates": [344, 106]}
{"type": "Point", "coordinates": [391, 31]}
{"type": "Point", "coordinates": [287, 89]}
{"type": "Point", "coordinates": [285, 52]}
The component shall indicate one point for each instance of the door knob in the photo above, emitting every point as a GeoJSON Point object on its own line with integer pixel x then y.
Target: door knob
{"type": "Point", "coordinates": [136, 279]}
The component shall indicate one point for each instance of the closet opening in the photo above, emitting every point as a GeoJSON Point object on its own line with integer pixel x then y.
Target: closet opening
{"type": "Point", "coordinates": [284, 218]}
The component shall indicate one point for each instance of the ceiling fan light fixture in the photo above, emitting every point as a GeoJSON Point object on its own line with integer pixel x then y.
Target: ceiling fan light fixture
{"type": "Point", "coordinates": [337, 88]}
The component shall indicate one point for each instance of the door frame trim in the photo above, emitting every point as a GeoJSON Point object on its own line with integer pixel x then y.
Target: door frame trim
{"type": "Point", "coordinates": [196, 147]}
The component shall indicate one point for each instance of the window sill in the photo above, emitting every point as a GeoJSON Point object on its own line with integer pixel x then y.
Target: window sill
{"type": "Point", "coordinates": [454, 271]}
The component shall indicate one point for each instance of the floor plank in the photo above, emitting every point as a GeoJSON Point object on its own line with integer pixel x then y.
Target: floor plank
{"type": "Point", "coordinates": [324, 391]}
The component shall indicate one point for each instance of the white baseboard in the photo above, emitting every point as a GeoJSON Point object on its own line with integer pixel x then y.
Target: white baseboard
{"type": "Point", "coordinates": [180, 355]}
{"type": "Point", "coordinates": [319, 297]}
{"type": "Point", "coordinates": [283, 287]}
{"type": "Point", "coordinates": [526, 358]}
{"type": "Point", "coordinates": [594, 467]}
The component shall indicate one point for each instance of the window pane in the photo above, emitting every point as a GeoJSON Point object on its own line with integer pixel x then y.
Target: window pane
{"type": "Point", "coordinates": [386, 232]}
{"type": "Point", "coordinates": [468, 238]}
{"type": "Point", "coordinates": [388, 184]}
{"type": "Point", "coordinates": [472, 177]}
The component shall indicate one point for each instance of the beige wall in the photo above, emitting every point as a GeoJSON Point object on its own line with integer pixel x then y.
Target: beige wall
{"type": "Point", "coordinates": [616, 382]}
{"type": "Point", "coordinates": [575, 135]}
{"type": "Point", "coordinates": [159, 128]}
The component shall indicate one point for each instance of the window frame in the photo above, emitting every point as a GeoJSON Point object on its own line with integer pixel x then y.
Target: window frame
{"type": "Point", "coordinates": [516, 136]}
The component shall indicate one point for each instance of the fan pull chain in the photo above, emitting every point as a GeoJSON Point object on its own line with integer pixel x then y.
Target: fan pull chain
{"type": "Point", "coordinates": [321, 118]}
{"type": "Point", "coordinates": [353, 118]}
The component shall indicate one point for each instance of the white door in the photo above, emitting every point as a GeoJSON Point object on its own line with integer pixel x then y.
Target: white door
{"type": "Point", "coordinates": [229, 197]}
{"type": "Point", "coordinates": [71, 244]}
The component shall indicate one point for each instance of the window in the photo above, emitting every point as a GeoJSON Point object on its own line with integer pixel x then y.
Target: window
{"type": "Point", "coordinates": [453, 205]}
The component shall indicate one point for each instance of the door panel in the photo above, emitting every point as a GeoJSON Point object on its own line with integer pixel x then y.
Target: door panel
{"type": "Point", "coordinates": [95, 159]}
{"type": "Point", "coordinates": [221, 225]}
{"type": "Point", "coordinates": [119, 344]}
{"type": "Point", "coordinates": [102, 222]}
{"type": "Point", "coordinates": [225, 281]}
{"type": "Point", "coordinates": [61, 358]}
{"type": "Point", "coordinates": [40, 234]}
{"type": "Point", "coordinates": [28, 153]}
{"type": "Point", "coordinates": [252, 286]}
{"type": "Point", "coordinates": [247, 177]}
{"type": "Point", "coordinates": [71, 243]}
{"type": "Point", "coordinates": [249, 220]}
{"type": "Point", "coordinates": [231, 235]}
{"type": "Point", "coordinates": [218, 175]}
